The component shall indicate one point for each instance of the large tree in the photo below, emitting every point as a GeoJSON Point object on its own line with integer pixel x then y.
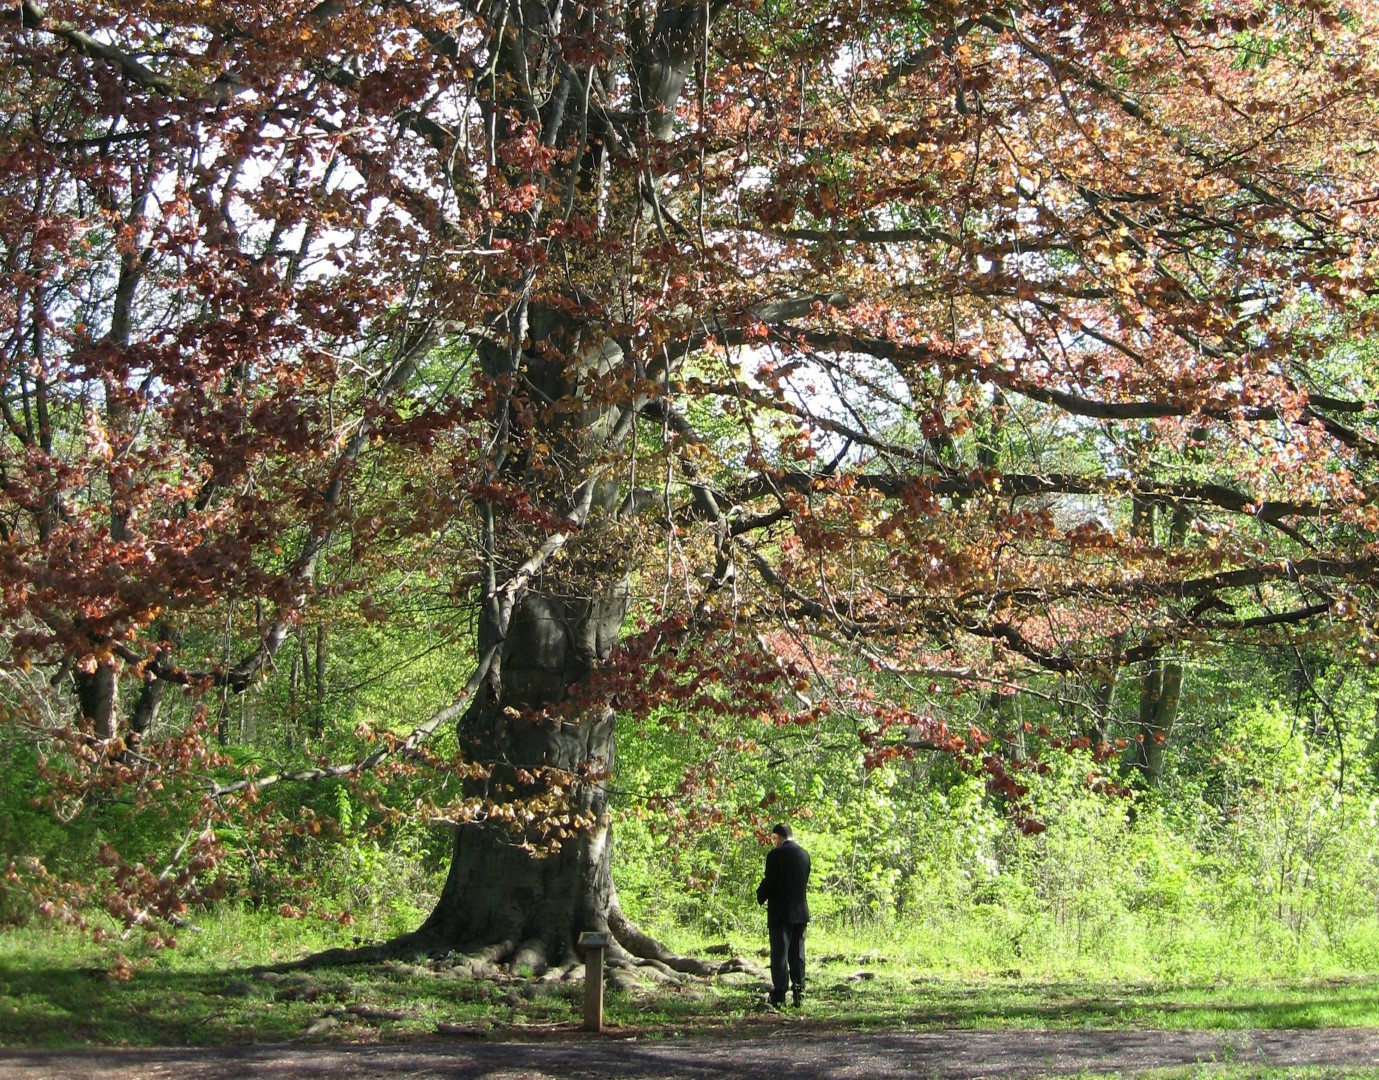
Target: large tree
{"type": "Point", "coordinates": [958, 343]}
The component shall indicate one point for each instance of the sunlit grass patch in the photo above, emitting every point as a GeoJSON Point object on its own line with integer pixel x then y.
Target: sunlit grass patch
{"type": "Point", "coordinates": [1227, 1071]}
{"type": "Point", "coordinates": [58, 989]}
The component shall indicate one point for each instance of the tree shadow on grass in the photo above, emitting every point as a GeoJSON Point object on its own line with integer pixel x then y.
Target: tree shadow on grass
{"type": "Point", "coordinates": [59, 1006]}
{"type": "Point", "coordinates": [64, 1006]}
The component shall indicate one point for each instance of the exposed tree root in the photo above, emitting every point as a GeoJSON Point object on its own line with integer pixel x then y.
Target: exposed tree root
{"type": "Point", "coordinates": [653, 954]}
{"type": "Point", "coordinates": [633, 958]}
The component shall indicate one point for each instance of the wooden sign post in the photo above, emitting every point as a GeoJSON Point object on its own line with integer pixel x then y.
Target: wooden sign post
{"type": "Point", "coordinates": [593, 944]}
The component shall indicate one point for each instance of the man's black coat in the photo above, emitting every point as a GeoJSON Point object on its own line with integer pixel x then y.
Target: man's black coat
{"type": "Point", "coordinates": [782, 890]}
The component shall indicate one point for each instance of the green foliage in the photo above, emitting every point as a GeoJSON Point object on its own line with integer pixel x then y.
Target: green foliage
{"type": "Point", "coordinates": [1256, 855]}
{"type": "Point", "coordinates": [386, 884]}
{"type": "Point", "coordinates": [31, 832]}
{"type": "Point", "coordinates": [51, 839]}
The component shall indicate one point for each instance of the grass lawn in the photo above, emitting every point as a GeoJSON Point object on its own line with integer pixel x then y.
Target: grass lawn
{"type": "Point", "coordinates": [58, 990]}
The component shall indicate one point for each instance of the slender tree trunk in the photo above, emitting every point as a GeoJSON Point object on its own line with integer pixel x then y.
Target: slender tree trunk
{"type": "Point", "coordinates": [1104, 681]}
{"type": "Point", "coordinates": [1161, 684]}
{"type": "Point", "coordinates": [1161, 680]}
{"type": "Point", "coordinates": [319, 682]}
{"type": "Point", "coordinates": [146, 710]}
{"type": "Point", "coordinates": [294, 686]}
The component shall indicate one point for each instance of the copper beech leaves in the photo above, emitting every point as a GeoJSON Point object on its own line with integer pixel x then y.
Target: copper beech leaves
{"type": "Point", "coordinates": [915, 359]}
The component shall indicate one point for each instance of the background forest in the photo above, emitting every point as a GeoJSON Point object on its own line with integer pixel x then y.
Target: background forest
{"type": "Point", "coordinates": [1255, 852]}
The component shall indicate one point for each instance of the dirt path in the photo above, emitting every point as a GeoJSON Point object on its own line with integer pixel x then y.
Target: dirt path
{"type": "Point", "coordinates": [948, 1053]}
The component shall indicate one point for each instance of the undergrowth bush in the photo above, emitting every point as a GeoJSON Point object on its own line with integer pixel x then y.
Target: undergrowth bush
{"type": "Point", "coordinates": [1260, 861]}
{"type": "Point", "coordinates": [1257, 854]}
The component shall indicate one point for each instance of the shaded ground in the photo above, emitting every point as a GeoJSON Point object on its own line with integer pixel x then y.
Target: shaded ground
{"type": "Point", "coordinates": [790, 1051]}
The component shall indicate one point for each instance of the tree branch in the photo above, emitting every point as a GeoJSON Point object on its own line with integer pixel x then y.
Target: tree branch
{"type": "Point", "coordinates": [419, 735]}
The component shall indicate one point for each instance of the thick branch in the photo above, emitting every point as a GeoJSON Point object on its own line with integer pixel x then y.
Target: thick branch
{"type": "Point", "coordinates": [1026, 485]}
{"type": "Point", "coordinates": [35, 16]}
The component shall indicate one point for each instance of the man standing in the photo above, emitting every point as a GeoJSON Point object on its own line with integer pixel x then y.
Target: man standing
{"type": "Point", "coordinates": [787, 913]}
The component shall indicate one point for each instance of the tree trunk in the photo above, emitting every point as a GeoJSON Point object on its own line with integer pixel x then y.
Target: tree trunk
{"type": "Point", "coordinates": [318, 687]}
{"type": "Point", "coordinates": [533, 873]}
{"type": "Point", "coordinates": [1103, 691]}
{"type": "Point", "coordinates": [1161, 681]}
{"type": "Point", "coordinates": [151, 696]}
{"type": "Point", "coordinates": [508, 903]}
{"type": "Point", "coordinates": [1161, 684]}
{"type": "Point", "coordinates": [522, 893]}
{"type": "Point", "coordinates": [98, 698]}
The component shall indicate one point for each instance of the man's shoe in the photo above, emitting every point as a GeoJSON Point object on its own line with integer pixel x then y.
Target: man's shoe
{"type": "Point", "coordinates": [797, 999]}
{"type": "Point", "coordinates": [775, 1003]}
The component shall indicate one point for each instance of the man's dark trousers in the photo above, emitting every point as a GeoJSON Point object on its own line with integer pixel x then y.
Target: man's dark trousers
{"type": "Point", "coordinates": [787, 959]}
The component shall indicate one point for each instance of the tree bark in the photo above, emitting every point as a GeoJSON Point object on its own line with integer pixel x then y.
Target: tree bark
{"type": "Point", "coordinates": [1161, 684]}
{"type": "Point", "coordinates": [1161, 680]}
{"type": "Point", "coordinates": [512, 893]}
{"type": "Point", "coordinates": [1103, 691]}
{"type": "Point", "coordinates": [98, 698]}
{"type": "Point", "coordinates": [533, 872]}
